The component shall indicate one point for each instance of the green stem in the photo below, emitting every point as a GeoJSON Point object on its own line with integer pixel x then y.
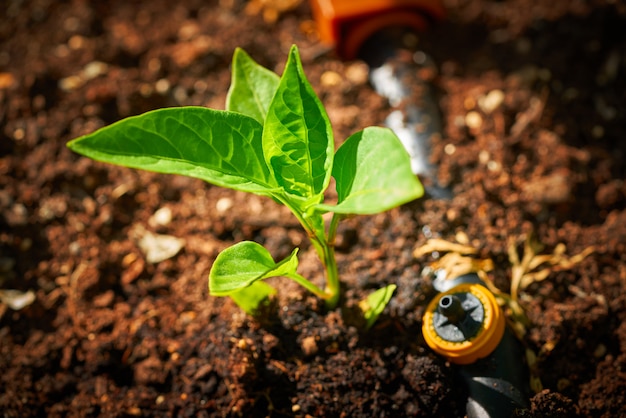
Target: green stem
{"type": "Point", "coordinates": [333, 286]}
{"type": "Point", "coordinates": [325, 247]}
{"type": "Point", "coordinates": [302, 281]}
{"type": "Point", "coordinates": [326, 251]}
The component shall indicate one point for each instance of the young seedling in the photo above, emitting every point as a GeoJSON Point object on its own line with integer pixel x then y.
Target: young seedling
{"type": "Point", "coordinates": [274, 139]}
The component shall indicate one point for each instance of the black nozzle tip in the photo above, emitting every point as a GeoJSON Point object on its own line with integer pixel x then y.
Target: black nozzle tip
{"type": "Point", "coordinates": [450, 306]}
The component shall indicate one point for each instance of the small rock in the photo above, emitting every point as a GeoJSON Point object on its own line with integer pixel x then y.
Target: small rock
{"type": "Point", "coordinates": [449, 149]}
{"type": "Point", "coordinates": [224, 204]}
{"type": "Point", "coordinates": [71, 83]}
{"type": "Point", "coordinates": [357, 73]}
{"type": "Point", "coordinates": [16, 299]}
{"type": "Point", "coordinates": [330, 79]}
{"type": "Point", "coordinates": [158, 247]}
{"type": "Point", "coordinates": [473, 120]}
{"type": "Point", "coordinates": [162, 86]}
{"type": "Point", "coordinates": [491, 101]}
{"type": "Point", "coordinates": [94, 69]}
{"type": "Point", "coordinates": [76, 42]}
{"type": "Point", "coordinates": [162, 217]}
{"type": "Point", "coordinates": [309, 346]}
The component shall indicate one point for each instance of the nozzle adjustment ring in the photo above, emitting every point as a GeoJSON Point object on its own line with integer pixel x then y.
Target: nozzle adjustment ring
{"type": "Point", "coordinates": [463, 324]}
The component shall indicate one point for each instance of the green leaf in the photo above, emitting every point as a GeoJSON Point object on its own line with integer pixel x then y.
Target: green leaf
{"type": "Point", "coordinates": [373, 174]}
{"type": "Point", "coordinates": [245, 263]}
{"type": "Point", "coordinates": [221, 147]}
{"type": "Point", "coordinates": [375, 304]}
{"type": "Point", "coordinates": [252, 87]}
{"type": "Point", "coordinates": [297, 136]}
{"type": "Point", "coordinates": [252, 297]}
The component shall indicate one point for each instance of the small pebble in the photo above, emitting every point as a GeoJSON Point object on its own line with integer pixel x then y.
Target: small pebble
{"type": "Point", "coordinates": [473, 120]}
{"type": "Point", "coordinates": [162, 86]}
{"type": "Point", "coordinates": [491, 101]}
{"type": "Point", "coordinates": [16, 299]}
{"type": "Point", "coordinates": [309, 346]}
{"type": "Point", "coordinates": [162, 217]}
{"type": "Point", "coordinates": [483, 157]}
{"type": "Point", "coordinates": [94, 69]}
{"type": "Point", "coordinates": [224, 204]}
{"type": "Point", "coordinates": [76, 42]}
{"type": "Point", "coordinates": [330, 79]}
{"type": "Point", "coordinates": [158, 248]}
{"type": "Point", "coordinates": [449, 149]}
{"type": "Point", "coordinates": [357, 73]}
{"type": "Point", "coordinates": [71, 83]}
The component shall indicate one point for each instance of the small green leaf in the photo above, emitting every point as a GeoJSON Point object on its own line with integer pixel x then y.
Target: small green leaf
{"type": "Point", "coordinates": [252, 87]}
{"type": "Point", "coordinates": [373, 174]}
{"type": "Point", "coordinates": [252, 297]}
{"type": "Point", "coordinates": [220, 147]}
{"type": "Point", "coordinates": [245, 263]}
{"type": "Point", "coordinates": [297, 136]}
{"type": "Point", "coordinates": [375, 304]}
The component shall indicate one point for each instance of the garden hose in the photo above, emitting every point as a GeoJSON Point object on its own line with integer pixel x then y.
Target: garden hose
{"type": "Point", "coordinates": [347, 24]}
{"type": "Point", "coordinates": [374, 31]}
{"type": "Point", "coordinates": [464, 324]}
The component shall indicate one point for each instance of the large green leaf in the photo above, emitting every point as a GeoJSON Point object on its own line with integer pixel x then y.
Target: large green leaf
{"type": "Point", "coordinates": [373, 174]}
{"type": "Point", "coordinates": [243, 264]}
{"type": "Point", "coordinates": [252, 87]}
{"type": "Point", "coordinates": [297, 136]}
{"type": "Point", "coordinates": [221, 147]}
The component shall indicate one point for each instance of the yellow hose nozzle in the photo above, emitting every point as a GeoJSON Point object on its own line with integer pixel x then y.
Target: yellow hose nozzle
{"type": "Point", "coordinates": [463, 324]}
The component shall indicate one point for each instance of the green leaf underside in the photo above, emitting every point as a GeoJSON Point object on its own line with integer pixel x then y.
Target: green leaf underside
{"type": "Point", "coordinates": [252, 87]}
{"type": "Point", "coordinates": [220, 147]}
{"type": "Point", "coordinates": [251, 298]}
{"type": "Point", "coordinates": [245, 263]}
{"type": "Point", "coordinates": [373, 174]}
{"type": "Point", "coordinates": [375, 303]}
{"type": "Point", "coordinates": [297, 136]}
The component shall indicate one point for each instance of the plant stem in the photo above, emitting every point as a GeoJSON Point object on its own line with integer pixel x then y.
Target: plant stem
{"type": "Point", "coordinates": [325, 246]}
{"type": "Point", "coordinates": [333, 285]}
{"type": "Point", "coordinates": [302, 281]}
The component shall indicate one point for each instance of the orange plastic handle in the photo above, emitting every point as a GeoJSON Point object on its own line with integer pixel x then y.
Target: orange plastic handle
{"type": "Point", "coordinates": [483, 343]}
{"type": "Point", "coordinates": [349, 23]}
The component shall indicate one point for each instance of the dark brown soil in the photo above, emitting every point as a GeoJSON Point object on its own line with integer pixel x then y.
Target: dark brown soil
{"type": "Point", "coordinates": [110, 334]}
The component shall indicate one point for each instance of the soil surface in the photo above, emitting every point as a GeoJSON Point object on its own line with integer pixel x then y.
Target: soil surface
{"type": "Point", "coordinates": [533, 98]}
